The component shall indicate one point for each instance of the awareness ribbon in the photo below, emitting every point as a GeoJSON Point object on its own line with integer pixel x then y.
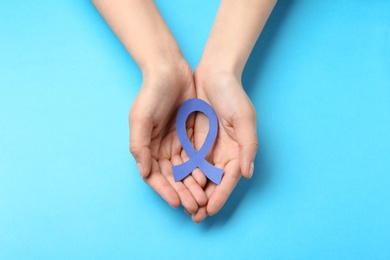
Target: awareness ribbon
{"type": "Point", "coordinates": [197, 158]}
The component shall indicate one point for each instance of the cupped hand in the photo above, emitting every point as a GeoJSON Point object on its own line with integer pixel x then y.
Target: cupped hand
{"type": "Point", "coordinates": [153, 138]}
{"type": "Point", "coordinates": [236, 144]}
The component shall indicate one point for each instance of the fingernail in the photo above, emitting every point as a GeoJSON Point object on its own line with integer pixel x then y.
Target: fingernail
{"type": "Point", "coordinates": [251, 169]}
{"type": "Point", "coordinates": [140, 169]}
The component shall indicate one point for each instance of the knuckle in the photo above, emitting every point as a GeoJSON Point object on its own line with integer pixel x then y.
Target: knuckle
{"type": "Point", "coordinates": [254, 146]}
{"type": "Point", "coordinates": [133, 149]}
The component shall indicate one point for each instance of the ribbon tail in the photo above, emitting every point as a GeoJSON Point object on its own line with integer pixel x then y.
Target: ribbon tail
{"type": "Point", "coordinates": [213, 173]}
{"type": "Point", "coordinates": [183, 170]}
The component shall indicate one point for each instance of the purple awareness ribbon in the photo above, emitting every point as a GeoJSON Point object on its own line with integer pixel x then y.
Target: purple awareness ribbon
{"type": "Point", "coordinates": [197, 158]}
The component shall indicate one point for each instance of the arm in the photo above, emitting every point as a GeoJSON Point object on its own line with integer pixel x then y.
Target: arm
{"type": "Point", "coordinates": [218, 80]}
{"type": "Point", "coordinates": [141, 29]}
{"type": "Point", "coordinates": [167, 83]}
{"type": "Point", "coordinates": [237, 26]}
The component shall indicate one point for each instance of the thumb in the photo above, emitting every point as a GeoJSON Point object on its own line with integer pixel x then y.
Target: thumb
{"type": "Point", "coordinates": [140, 138]}
{"type": "Point", "coordinates": [246, 134]}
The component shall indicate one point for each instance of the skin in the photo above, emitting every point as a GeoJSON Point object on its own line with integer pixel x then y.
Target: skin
{"type": "Point", "coordinates": [218, 81]}
{"type": "Point", "coordinates": [168, 82]}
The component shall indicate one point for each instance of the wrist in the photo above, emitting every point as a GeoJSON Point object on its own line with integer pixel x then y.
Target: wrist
{"type": "Point", "coordinates": [207, 73]}
{"type": "Point", "coordinates": [210, 81]}
{"type": "Point", "coordinates": [165, 65]}
{"type": "Point", "coordinates": [220, 63]}
{"type": "Point", "coordinates": [162, 59]}
{"type": "Point", "coordinates": [168, 77]}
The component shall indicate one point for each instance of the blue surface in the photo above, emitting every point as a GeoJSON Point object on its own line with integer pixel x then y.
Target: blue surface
{"type": "Point", "coordinates": [319, 78]}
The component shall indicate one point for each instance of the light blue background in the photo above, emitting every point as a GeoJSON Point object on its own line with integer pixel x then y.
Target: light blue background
{"type": "Point", "coordinates": [319, 78]}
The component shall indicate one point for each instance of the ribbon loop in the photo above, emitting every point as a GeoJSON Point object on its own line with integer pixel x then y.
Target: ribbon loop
{"type": "Point", "coordinates": [197, 158]}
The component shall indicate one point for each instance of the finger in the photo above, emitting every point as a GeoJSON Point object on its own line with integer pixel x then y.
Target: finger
{"type": "Point", "coordinates": [245, 128]}
{"type": "Point", "coordinates": [197, 174]}
{"type": "Point", "coordinates": [186, 198]}
{"type": "Point", "coordinates": [201, 214]}
{"type": "Point", "coordinates": [158, 183]}
{"type": "Point", "coordinates": [140, 138]}
{"type": "Point", "coordinates": [199, 177]}
{"type": "Point", "coordinates": [222, 191]}
{"type": "Point", "coordinates": [187, 212]}
{"type": "Point", "coordinates": [196, 191]}
{"type": "Point", "coordinates": [191, 184]}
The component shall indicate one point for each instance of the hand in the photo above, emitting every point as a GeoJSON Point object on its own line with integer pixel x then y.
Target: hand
{"type": "Point", "coordinates": [153, 139]}
{"type": "Point", "coordinates": [236, 144]}
{"type": "Point", "coordinates": [235, 30]}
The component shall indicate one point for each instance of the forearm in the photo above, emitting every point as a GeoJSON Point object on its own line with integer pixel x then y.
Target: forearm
{"type": "Point", "coordinates": [236, 28]}
{"type": "Point", "coordinates": [141, 29]}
